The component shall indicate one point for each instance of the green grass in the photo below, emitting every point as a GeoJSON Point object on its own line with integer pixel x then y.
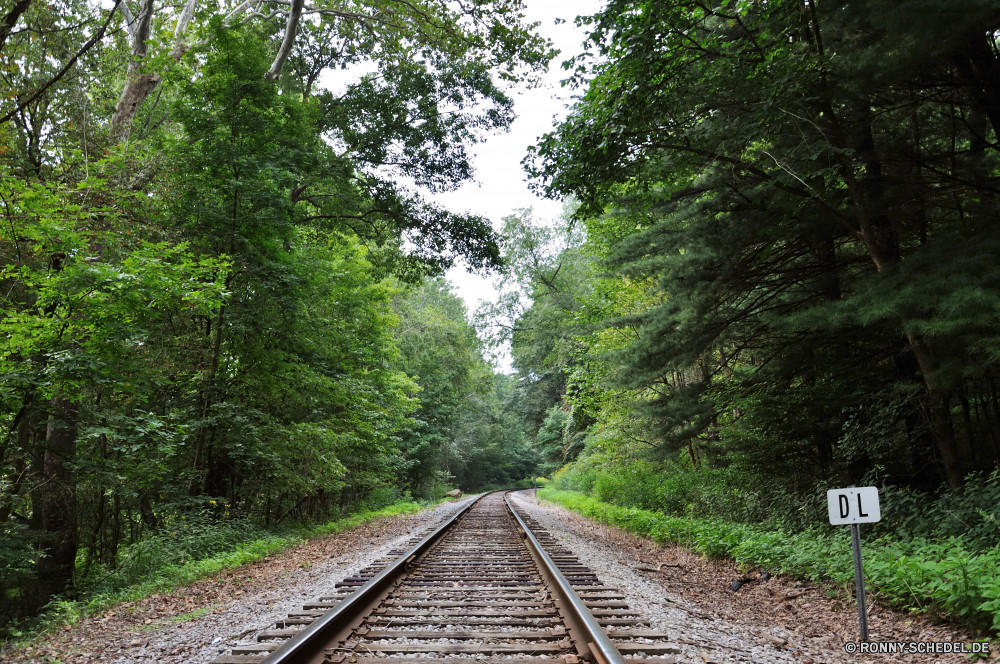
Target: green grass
{"type": "Point", "coordinates": [949, 576]}
{"type": "Point", "coordinates": [171, 577]}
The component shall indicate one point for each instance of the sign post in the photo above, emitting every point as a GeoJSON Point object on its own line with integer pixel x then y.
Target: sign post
{"type": "Point", "coordinates": [854, 506]}
{"type": "Point", "coordinates": [859, 581]}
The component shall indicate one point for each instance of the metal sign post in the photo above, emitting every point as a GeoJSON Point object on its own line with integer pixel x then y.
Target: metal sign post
{"type": "Point", "coordinates": [854, 506]}
{"type": "Point", "coordinates": [859, 581]}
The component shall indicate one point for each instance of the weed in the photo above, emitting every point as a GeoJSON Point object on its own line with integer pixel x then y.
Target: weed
{"type": "Point", "coordinates": [952, 576]}
{"type": "Point", "coordinates": [173, 563]}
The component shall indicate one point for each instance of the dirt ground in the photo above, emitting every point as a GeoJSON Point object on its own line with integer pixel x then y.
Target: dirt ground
{"type": "Point", "coordinates": [124, 634]}
{"type": "Point", "coordinates": [821, 611]}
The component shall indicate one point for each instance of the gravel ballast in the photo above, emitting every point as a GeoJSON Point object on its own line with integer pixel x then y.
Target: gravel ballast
{"type": "Point", "coordinates": [702, 637]}
{"type": "Point", "coordinates": [679, 593]}
{"type": "Point", "coordinates": [688, 597]}
{"type": "Point", "coordinates": [196, 623]}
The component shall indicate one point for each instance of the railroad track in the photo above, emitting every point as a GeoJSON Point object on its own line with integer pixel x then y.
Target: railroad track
{"type": "Point", "coordinates": [489, 584]}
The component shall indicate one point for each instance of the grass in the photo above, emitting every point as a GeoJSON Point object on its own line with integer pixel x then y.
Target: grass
{"type": "Point", "coordinates": [171, 577]}
{"type": "Point", "coordinates": [948, 577]}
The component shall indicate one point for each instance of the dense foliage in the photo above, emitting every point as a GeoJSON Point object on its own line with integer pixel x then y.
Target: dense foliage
{"type": "Point", "coordinates": [222, 307]}
{"type": "Point", "coordinates": [219, 312]}
{"type": "Point", "coordinates": [782, 273]}
{"type": "Point", "coordinates": [467, 431]}
{"type": "Point", "coordinates": [950, 575]}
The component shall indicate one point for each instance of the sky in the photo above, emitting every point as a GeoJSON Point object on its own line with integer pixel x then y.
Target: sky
{"type": "Point", "coordinates": [501, 185]}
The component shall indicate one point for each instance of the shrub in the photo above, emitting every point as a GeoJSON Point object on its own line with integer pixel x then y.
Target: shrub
{"type": "Point", "coordinates": [953, 576]}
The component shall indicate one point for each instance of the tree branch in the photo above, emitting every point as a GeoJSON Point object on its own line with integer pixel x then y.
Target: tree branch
{"type": "Point", "coordinates": [294, 14]}
{"type": "Point", "coordinates": [10, 20]}
{"type": "Point", "coordinates": [130, 22]}
{"type": "Point", "coordinates": [69, 65]}
{"type": "Point", "coordinates": [182, 24]}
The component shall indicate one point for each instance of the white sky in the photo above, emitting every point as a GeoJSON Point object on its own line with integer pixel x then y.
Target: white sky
{"type": "Point", "coordinates": [501, 185]}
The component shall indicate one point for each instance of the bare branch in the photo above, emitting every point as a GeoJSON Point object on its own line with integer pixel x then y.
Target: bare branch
{"type": "Point", "coordinates": [242, 7]}
{"type": "Point", "coordinates": [130, 22]}
{"type": "Point", "coordinates": [182, 24]}
{"type": "Point", "coordinates": [137, 84]}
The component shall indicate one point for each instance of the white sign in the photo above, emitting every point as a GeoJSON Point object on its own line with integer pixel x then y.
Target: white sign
{"type": "Point", "coordinates": [856, 505]}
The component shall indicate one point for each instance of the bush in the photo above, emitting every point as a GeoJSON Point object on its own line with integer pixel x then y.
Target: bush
{"type": "Point", "coordinates": [189, 540]}
{"type": "Point", "coordinates": [381, 497]}
{"type": "Point", "coordinates": [186, 554]}
{"type": "Point", "coordinates": [729, 494]}
{"type": "Point", "coordinates": [974, 515]}
{"type": "Point", "coordinates": [953, 576]}
{"type": "Point", "coordinates": [677, 490]}
{"type": "Point", "coordinates": [432, 494]}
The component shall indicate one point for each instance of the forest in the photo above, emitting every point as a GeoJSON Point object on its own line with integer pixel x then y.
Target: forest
{"type": "Point", "coordinates": [224, 310]}
{"type": "Point", "coordinates": [222, 305]}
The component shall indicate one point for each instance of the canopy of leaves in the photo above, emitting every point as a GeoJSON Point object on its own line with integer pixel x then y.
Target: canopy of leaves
{"type": "Point", "coordinates": [790, 206]}
{"type": "Point", "coordinates": [216, 303]}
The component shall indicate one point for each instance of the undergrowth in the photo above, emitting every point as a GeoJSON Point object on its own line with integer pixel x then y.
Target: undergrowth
{"type": "Point", "coordinates": [952, 575]}
{"type": "Point", "coordinates": [170, 560]}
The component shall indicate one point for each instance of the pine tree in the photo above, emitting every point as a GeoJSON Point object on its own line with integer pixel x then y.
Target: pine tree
{"type": "Point", "coordinates": [787, 173]}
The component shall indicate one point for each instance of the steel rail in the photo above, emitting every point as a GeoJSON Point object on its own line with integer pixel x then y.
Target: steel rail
{"type": "Point", "coordinates": [580, 618]}
{"type": "Point", "coordinates": [309, 645]}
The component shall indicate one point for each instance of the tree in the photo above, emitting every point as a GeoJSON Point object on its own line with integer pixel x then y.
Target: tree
{"type": "Point", "coordinates": [198, 289]}
{"type": "Point", "coordinates": [463, 431]}
{"type": "Point", "coordinates": [77, 315]}
{"type": "Point", "coordinates": [489, 37]}
{"type": "Point", "coordinates": [778, 184]}
{"type": "Point", "coordinates": [539, 306]}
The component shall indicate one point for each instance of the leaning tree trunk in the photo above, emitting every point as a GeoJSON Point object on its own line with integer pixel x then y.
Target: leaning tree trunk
{"type": "Point", "coordinates": [139, 84]}
{"type": "Point", "coordinates": [291, 27]}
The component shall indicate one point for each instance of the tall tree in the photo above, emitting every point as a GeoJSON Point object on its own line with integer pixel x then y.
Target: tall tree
{"type": "Point", "coordinates": [779, 178]}
{"type": "Point", "coordinates": [491, 38]}
{"type": "Point", "coordinates": [197, 290]}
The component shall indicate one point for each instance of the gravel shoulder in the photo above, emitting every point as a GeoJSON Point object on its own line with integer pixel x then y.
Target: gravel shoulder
{"type": "Point", "coordinates": [688, 597]}
{"type": "Point", "coordinates": [679, 592]}
{"type": "Point", "coordinates": [195, 623]}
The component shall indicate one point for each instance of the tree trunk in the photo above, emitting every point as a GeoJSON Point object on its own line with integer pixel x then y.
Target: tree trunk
{"type": "Point", "coordinates": [939, 408]}
{"type": "Point", "coordinates": [875, 231]}
{"type": "Point", "coordinates": [55, 502]}
{"type": "Point", "coordinates": [146, 512]}
{"type": "Point", "coordinates": [209, 393]}
{"type": "Point", "coordinates": [8, 22]}
{"type": "Point", "coordinates": [979, 69]}
{"type": "Point", "coordinates": [138, 85]}
{"type": "Point", "coordinates": [291, 27]}
{"type": "Point", "coordinates": [182, 23]}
